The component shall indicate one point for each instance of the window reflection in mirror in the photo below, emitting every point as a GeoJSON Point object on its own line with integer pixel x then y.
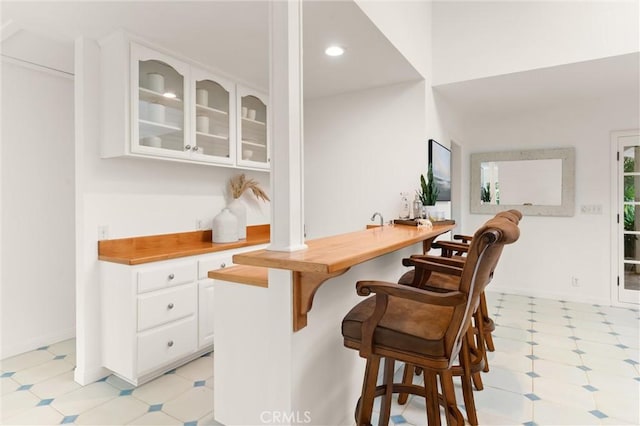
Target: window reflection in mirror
{"type": "Point", "coordinates": [524, 182]}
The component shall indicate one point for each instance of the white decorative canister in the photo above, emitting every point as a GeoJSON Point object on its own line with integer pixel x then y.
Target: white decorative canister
{"type": "Point", "coordinates": [156, 112]}
{"type": "Point", "coordinates": [202, 97]}
{"type": "Point", "coordinates": [153, 141]}
{"type": "Point", "coordinates": [225, 227]}
{"type": "Point", "coordinates": [238, 208]}
{"type": "Point", "coordinates": [202, 124]}
{"type": "Point", "coordinates": [155, 82]}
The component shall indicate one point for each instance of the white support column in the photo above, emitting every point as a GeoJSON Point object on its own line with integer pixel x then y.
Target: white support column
{"type": "Point", "coordinates": [87, 125]}
{"type": "Point", "coordinates": [285, 94]}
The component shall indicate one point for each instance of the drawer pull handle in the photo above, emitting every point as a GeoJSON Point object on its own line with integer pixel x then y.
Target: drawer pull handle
{"type": "Point", "coordinates": [170, 306]}
{"type": "Point", "coordinates": [170, 343]}
{"type": "Point", "coordinates": [223, 265]}
{"type": "Point", "coordinates": [171, 276]}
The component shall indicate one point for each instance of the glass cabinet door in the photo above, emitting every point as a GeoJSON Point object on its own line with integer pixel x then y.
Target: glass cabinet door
{"type": "Point", "coordinates": [253, 146]}
{"type": "Point", "coordinates": [160, 97]}
{"type": "Point", "coordinates": [213, 115]}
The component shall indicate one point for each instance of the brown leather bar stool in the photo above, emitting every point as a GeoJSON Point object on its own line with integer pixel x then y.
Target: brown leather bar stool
{"type": "Point", "coordinates": [457, 250]}
{"type": "Point", "coordinates": [424, 328]}
{"type": "Point", "coordinates": [435, 281]}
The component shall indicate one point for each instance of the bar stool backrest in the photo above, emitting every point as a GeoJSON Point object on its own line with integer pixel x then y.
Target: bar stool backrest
{"type": "Point", "coordinates": [484, 252]}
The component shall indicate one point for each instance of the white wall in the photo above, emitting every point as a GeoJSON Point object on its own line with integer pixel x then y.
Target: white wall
{"type": "Point", "coordinates": [474, 39]}
{"type": "Point", "coordinates": [37, 303]}
{"type": "Point", "coordinates": [132, 197]}
{"type": "Point", "coordinates": [407, 25]}
{"type": "Point", "coordinates": [551, 250]}
{"type": "Point", "coordinates": [361, 150]}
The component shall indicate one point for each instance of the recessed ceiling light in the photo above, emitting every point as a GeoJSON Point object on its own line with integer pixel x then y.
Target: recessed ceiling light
{"type": "Point", "coordinates": [169, 95]}
{"type": "Point", "coordinates": [334, 51]}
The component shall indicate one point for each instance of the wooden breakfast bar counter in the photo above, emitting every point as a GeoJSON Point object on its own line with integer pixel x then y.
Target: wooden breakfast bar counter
{"type": "Point", "coordinates": [327, 258]}
{"type": "Point", "coordinates": [340, 252]}
{"type": "Point", "coordinates": [276, 360]}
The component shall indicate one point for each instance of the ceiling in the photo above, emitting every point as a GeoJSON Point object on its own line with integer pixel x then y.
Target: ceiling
{"type": "Point", "coordinates": [232, 37]}
{"type": "Point", "coordinates": [229, 36]}
{"type": "Point", "coordinates": [543, 88]}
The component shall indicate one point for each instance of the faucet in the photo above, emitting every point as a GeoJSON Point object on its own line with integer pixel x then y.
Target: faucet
{"type": "Point", "coordinates": [380, 216]}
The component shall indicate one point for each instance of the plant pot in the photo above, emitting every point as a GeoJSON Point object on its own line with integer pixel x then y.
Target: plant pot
{"type": "Point", "coordinates": [238, 208]}
{"type": "Point", "coordinates": [430, 212]}
{"type": "Point", "coordinates": [225, 227]}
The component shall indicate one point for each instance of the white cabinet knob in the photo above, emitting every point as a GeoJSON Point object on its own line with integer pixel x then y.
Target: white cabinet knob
{"type": "Point", "coordinates": [187, 148]}
{"type": "Point", "coordinates": [170, 306]}
{"type": "Point", "coordinates": [171, 276]}
{"type": "Point", "coordinates": [170, 343]}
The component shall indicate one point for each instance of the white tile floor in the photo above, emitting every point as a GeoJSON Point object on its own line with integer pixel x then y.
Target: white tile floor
{"type": "Point", "coordinates": [38, 389]}
{"type": "Point", "coordinates": [556, 363]}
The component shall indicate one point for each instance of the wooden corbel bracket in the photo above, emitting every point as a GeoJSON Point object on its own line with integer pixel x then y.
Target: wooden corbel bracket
{"type": "Point", "coordinates": [305, 285]}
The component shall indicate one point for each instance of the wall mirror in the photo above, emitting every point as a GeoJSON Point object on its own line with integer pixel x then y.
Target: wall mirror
{"type": "Point", "coordinates": [538, 182]}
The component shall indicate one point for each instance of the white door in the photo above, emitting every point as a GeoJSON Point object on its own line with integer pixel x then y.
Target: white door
{"type": "Point", "coordinates": [628, 217]}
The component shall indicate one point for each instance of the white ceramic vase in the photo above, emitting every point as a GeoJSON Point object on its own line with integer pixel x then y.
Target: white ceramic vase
{"type": "Point", "coordinates": [225, 227]}
{"type": "Point", "coordinates": [238, 208]}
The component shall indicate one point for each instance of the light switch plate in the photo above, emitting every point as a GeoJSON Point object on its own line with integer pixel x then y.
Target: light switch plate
{"type": "Point", "coordinates": [591, 209]}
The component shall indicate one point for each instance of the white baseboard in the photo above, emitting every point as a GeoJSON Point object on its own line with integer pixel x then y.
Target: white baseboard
{"type": "Point", "coordinates": [9, 349]}
{"type": "Point", "coordinates": [89, 375]}
{"type": "Point", "coordinates": [569, 297]}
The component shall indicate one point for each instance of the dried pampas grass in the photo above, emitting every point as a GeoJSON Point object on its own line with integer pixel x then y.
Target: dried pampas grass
{"type": "Point", "coordinates": [239, 184]}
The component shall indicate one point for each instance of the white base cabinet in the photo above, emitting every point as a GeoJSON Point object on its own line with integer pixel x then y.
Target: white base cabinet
{"type": "Point", "coordinates": [158, 316]}
{"type": "Point", "coordinates": [205, 293]}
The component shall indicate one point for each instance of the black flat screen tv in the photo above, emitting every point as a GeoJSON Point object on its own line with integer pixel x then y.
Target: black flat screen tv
{"type": "Point", "coordinates": [440, 160]}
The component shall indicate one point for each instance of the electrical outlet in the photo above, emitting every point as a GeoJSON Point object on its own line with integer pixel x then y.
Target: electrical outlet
{"type": "Point", "coordinates": [203, 224]}
{"type": "Point", "coordinates": [575, 282]}
{"type": "Point", "coordinates": [103, 232]}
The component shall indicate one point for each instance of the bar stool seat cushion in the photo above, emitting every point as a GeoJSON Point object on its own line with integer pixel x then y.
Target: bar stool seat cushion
{"type": "Point", "coordinates": [402, 326]}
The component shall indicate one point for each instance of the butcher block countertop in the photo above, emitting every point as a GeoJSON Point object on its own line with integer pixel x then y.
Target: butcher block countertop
{"type": "Point", "coordinates": [339, 252]}
{"type": "Point", "coordinates": [138, 250]}
{"type": "Point", "coordinates": [242, 274]}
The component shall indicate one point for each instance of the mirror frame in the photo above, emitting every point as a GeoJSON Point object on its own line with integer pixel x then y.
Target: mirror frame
{"type": "Point", "coordinates": [567, 155]}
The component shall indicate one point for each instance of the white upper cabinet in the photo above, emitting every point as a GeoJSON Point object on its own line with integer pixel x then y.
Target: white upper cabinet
{"type": "Point", "coordinates": [157, 106]}
{"type": "Point", "coordinates": [253, 141]}
{"type": "Point", "coordinates": [213, 117]}
{"type": "Point", "coordinates": [160, 99]}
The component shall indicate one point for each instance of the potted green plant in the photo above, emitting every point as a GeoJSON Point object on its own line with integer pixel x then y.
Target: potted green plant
{"type": "Point", "coordinates": [428, 192]}
{"type": "Point", "coordinates": [485, 193]}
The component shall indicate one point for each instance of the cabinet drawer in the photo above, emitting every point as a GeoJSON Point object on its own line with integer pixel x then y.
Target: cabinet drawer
{"type": "Point", "coordinates": [162, 345]}
{"type": "Point", "coordinates": [217, 262]}
{"type": "Point", "coordinates": [161, 307]}
{"type": "Point", "coordinates": [166, 276]}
